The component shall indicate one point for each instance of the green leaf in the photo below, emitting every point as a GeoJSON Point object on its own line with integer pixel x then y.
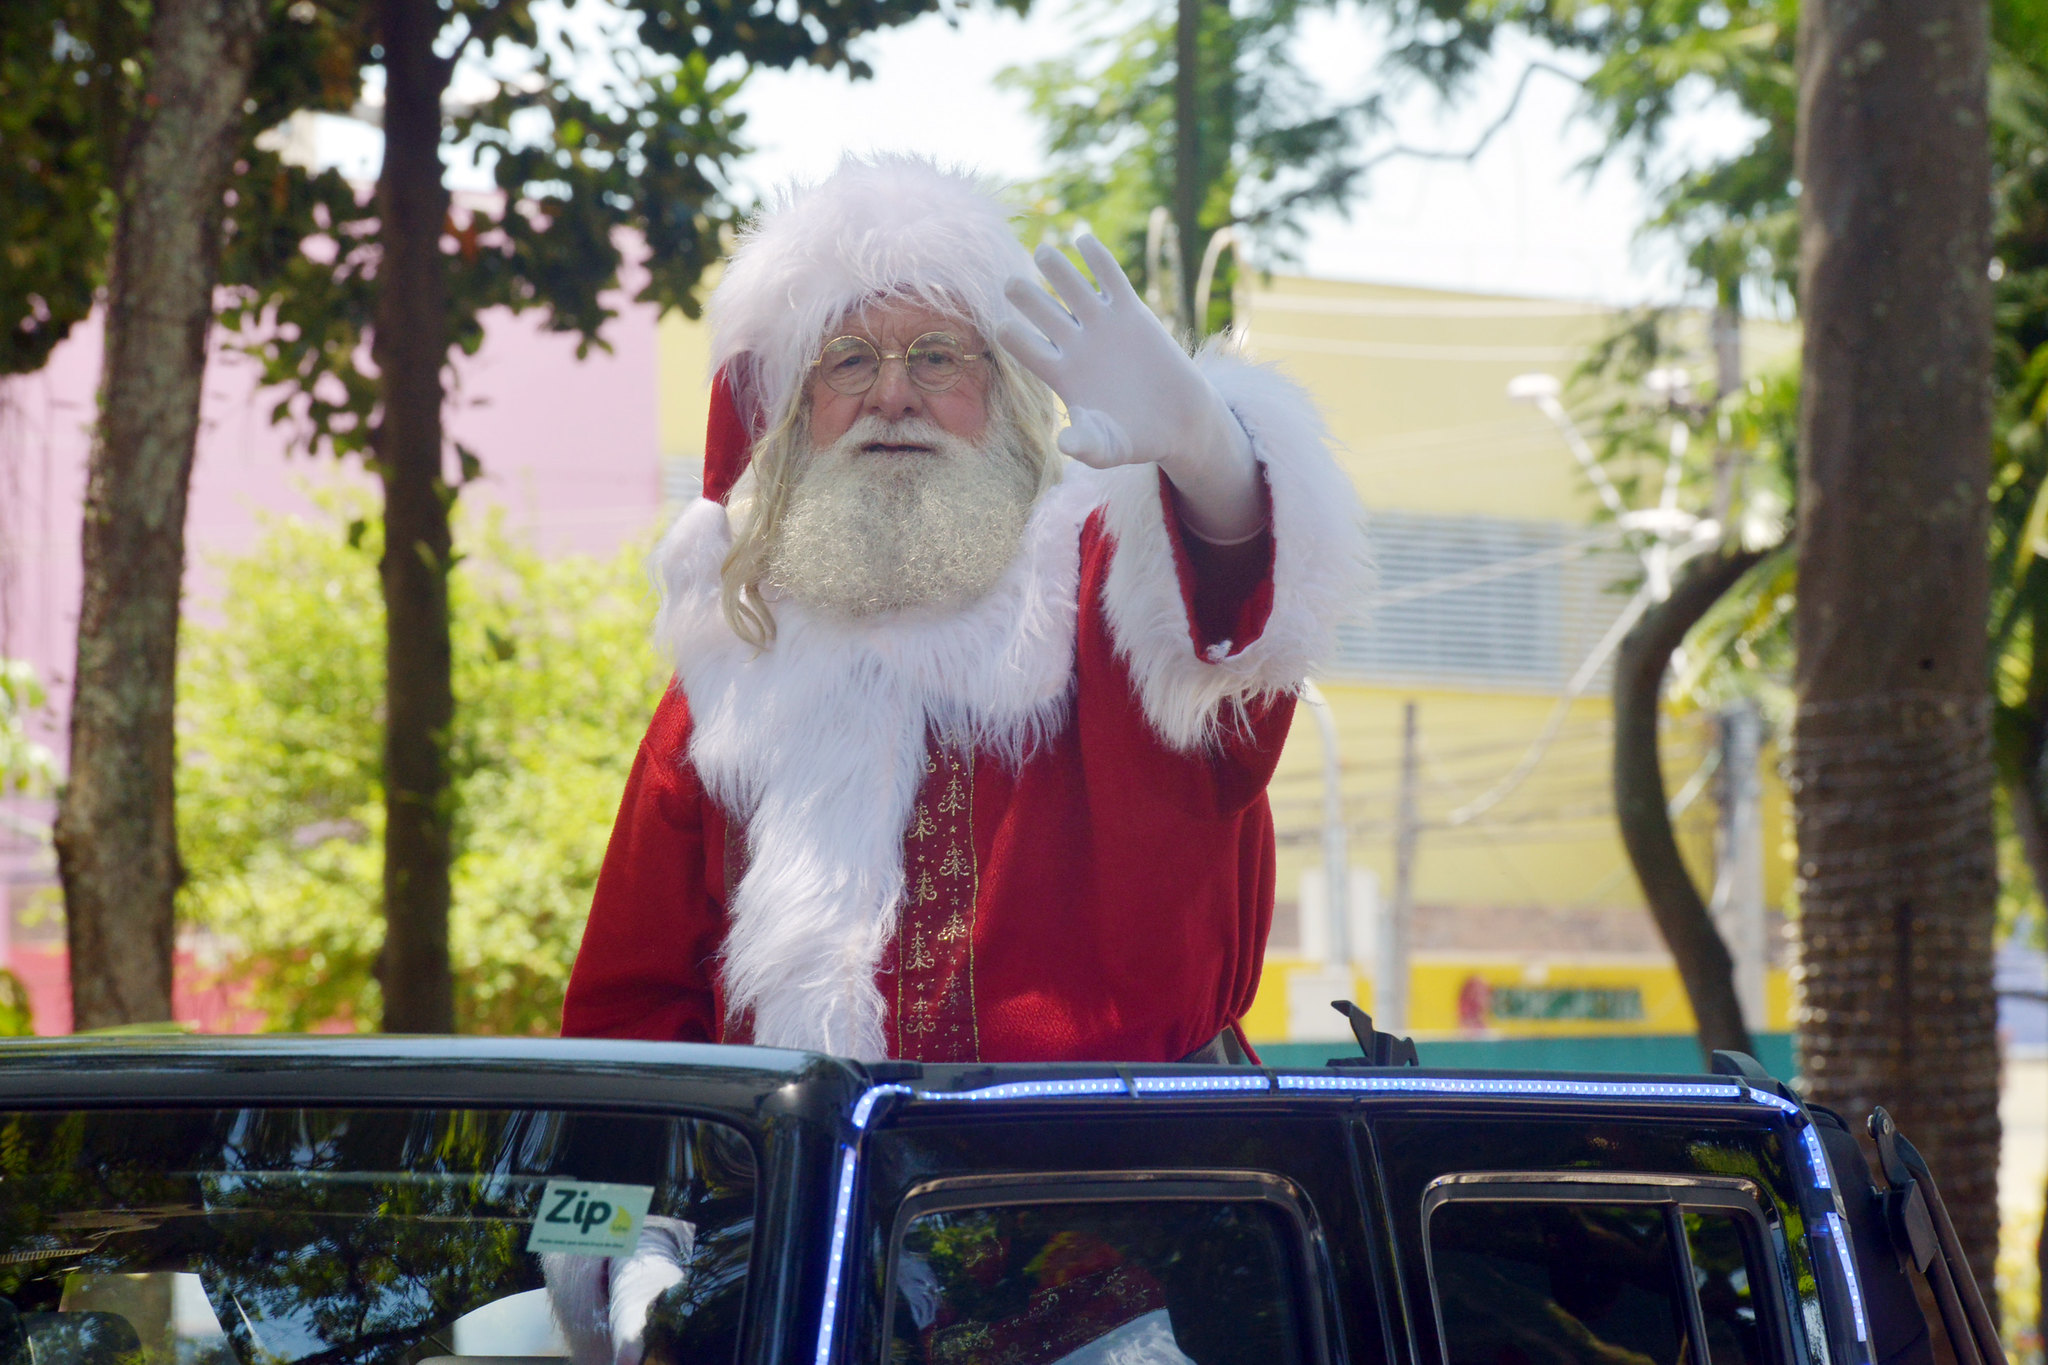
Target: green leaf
{"type": "Point", "coordinates": [2033, 536]}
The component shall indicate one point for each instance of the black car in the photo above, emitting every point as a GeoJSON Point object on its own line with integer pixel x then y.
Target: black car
{"type": "Point", "coordinates": [429, 1201]}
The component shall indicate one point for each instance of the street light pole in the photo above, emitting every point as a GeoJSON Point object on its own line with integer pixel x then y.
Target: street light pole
{"type": "Point", "coordinates": [1336, 839]}
{"type": "Point", "coordinates": [1390, 986]}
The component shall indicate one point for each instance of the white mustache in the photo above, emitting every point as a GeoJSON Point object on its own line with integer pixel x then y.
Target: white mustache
{"type": "Point", "coordinates": [908, 431]}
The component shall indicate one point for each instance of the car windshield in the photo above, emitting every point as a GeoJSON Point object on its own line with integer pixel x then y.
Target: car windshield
{"type": "Point", "coordinates": [310, 1236]}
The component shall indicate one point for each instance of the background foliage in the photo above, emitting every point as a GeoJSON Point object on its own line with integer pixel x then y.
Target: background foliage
{"type": "Point", "coordinates": [25, 766]}
{"type": "Point", "coordinates": [280, 722]}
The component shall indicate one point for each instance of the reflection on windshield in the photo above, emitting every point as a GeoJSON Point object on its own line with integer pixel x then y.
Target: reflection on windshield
{"type": "Point", "coordinates": [324, 1237]}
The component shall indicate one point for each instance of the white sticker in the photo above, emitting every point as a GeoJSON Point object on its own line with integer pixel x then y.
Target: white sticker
{"type": "Point", "coordinates": [585, 1218]}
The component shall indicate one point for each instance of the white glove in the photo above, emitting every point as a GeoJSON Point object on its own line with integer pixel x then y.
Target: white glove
{"type": "Point", "coordinates": [1132, 395]}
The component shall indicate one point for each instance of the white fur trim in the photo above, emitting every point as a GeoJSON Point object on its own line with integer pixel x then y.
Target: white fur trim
{"type": "Point", "coordinates": [657, 1264]}
{"type": "Point", "coordinates": [1320, 568]}
{"type": "Point", "coordinates": [818, 745]}
{"type": "Point", "coordinates": [881, 225]}
{"type": "Point", "coordinates": [579, 1292]}
{"type": "Point", "coordinates": [601, 1302]}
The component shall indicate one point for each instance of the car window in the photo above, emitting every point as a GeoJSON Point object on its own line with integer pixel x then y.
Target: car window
{"type": "Point", "coordinates": [1147, 1282]}
{"type": "Point", "coordinates": [1724, 1256]}
{"type": "Point", "coordinates": [338, 1237]}
{"type": "Point", "coordinates": [1529, 1283]}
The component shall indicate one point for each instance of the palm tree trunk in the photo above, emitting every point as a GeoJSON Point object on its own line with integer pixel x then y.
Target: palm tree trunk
{"type": "Point", "coordinates": [1892, 772]}
{"type": "Point", "coordinates": [116, 836]}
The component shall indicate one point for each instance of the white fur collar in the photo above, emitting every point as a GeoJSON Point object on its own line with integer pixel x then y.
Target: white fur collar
{"type": "Point", "coordinates": [818, 745]}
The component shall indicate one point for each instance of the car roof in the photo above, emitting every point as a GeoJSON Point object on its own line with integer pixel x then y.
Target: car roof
{"type": "Point", "coordinates": [947, 1085]}
{"type": "Point", "coordinates": [744, 1083]}
{"type": "Point", "coordinates": [126, 1068]}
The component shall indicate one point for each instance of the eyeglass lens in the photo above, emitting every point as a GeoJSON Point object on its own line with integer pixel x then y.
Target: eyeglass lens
{"type": "Point", "coordinates": [850, 365]}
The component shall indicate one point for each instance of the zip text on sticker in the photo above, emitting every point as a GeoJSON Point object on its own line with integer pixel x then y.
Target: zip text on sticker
{"type": "Point", "coordinates": [588, 1218]}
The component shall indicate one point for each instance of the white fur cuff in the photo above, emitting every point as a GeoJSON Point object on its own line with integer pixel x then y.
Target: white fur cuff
{"type": "Point", "coordinates": [1321, 572]}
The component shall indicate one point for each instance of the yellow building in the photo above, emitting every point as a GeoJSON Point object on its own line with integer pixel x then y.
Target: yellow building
{"type": "Point", "coordinates": [1496, 587]}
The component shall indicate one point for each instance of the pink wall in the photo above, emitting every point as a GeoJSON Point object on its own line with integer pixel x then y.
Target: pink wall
{"type": "Point", "coordinates": [569, 448]}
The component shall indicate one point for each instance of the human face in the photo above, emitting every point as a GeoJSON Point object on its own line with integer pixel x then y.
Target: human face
{"type": "Point", "coordinates": [960, 411]}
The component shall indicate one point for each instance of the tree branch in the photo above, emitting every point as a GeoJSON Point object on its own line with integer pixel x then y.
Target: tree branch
{"type": "Point", "coordinates": [1486, 136]}
{"type": "Point", "coordinates": [1641, 808]}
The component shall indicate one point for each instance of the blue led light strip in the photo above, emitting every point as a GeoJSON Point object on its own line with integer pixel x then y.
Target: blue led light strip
{"type": "Point", "coordinates": [1841, 1237]}
{"type": "Point", "coordinates": [842, 1207]}
{"type": "Point", "coordinates": [1184, 1085]}
{"type": "Point", "coordinates": [1822, 1180]}
{"type": "Point", "coordinates": [1033, 1090]}
{"type": "Point", "coordinates": [1444, 1085]}
{"type": "Point", "coordinates": [1816, 1158]}
{"type": "Point", "coordinates": [1777, 1102]}
{"type": "Point", "coordinates": [865, 1108]}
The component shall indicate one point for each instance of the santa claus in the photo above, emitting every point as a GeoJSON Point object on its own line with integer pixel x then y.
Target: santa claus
{"type": "Point", "coordinates": [973, 715]}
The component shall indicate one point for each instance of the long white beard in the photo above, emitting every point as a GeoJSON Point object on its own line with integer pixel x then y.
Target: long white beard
{"type": "Point", "coordinates": [867, 533]}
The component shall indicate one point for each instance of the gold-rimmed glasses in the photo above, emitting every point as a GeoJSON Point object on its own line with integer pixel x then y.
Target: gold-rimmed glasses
{"type": "Point", "coordinates": [934, 362]}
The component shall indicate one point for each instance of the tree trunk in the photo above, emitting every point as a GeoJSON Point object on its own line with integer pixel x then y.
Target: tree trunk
{"type": "Point", "coordinates": [116, 837]}
{"type": "Point", "coordinates": [410, 348]}
{"type": "Point", "coordinates": [1892, 774]}
{"type": "Point", "coordinates": [1643, 810]}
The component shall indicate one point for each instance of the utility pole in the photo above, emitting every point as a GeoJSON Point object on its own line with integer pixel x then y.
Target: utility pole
{"type": "Point", "coordinates": [1725, 332]}
{"type": "Point", "coordinates": [1390, 989]}
{"type": "Point", "coordinates": [1187, 159]}
{"type": "Point", "coordinates": [1738, 906]}
{"type": "Point", "coordinates": [1336, 840]}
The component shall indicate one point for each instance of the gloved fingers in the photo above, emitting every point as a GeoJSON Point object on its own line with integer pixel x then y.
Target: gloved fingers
{"type": "Point", "coordinates": [1043, 311]}
{"type": "Point", "coordinates": [1081, 298]}
{"type": "Point", "coordinates": [1109, 276]}
{"type": "Point", "coordinates": [1076, 445]}
{"type": "Point", "coordinates": [1095, 438]}
{"type": "Point", "coordinates": [1033, 351]}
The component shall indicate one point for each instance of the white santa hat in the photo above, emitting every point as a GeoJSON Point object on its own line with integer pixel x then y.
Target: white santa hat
{"type": "Point", "coordinates": [880, 226]}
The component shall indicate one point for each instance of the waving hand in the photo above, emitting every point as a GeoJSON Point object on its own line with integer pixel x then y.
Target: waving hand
{"type": "Point", "coordinates": [1132, 394]}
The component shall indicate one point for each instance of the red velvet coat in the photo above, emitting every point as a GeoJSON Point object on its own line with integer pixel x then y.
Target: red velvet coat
{"type": "Point", "coordinates": [1108, 899]}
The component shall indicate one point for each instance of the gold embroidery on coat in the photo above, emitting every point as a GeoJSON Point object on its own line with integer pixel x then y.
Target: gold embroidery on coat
{"type": "Point", "coordinates": [933, 952]}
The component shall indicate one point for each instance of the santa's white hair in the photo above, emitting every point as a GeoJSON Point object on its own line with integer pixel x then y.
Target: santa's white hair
{"type": "Point", "coordinates": [880, 226]}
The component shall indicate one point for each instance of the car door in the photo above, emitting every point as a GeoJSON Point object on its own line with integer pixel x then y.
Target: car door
{"type": "Point", "coordinates": [1528, 1239]}
{"type": "Point", "coordinates": [1221, 1234]}
{"type": "Point", "coordinates": [346, 1204]}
